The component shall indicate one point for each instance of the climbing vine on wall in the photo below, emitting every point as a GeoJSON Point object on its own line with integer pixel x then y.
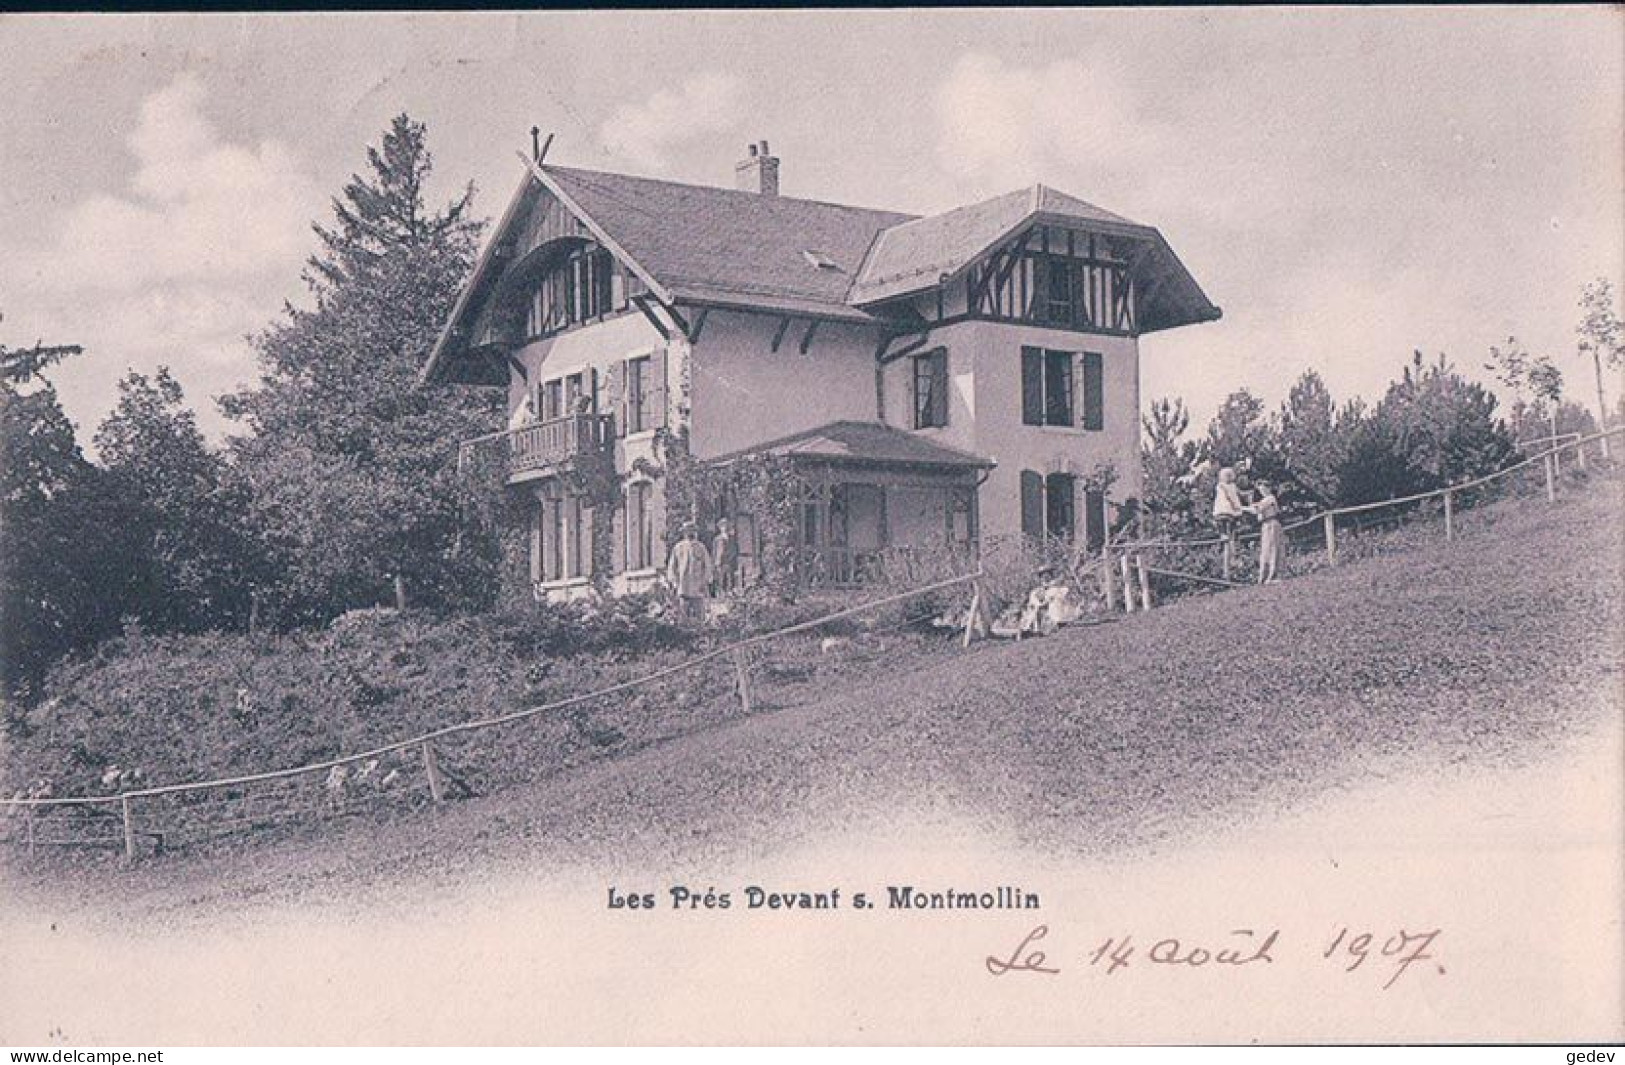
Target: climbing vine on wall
{"type": "Point", "coordinates": [765, 486]}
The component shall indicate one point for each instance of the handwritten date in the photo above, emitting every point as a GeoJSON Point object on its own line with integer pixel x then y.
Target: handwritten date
{"type": "Point", "coordinates": [1395, 953]}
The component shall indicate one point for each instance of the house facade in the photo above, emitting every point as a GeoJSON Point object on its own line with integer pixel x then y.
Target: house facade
{"type": "Point", "coordinates": [928, 383]}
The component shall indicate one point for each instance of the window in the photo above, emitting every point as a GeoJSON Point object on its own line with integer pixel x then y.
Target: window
{"type": "Point", "coordinates": [637, 391]}
{"type": "Point", "coordinates": [536, 536]}
{"type": "Point", "coordinates": [1046, 387]}
{"type": "Point", "coordinates": [1058, 388]}
{"type": "Point", "coordinates": [1059, 277]}
{"type": "Point", "coordinates": [575, 520]}
{"type": "Point", "coordinates": [640, 529]}
{"type": "Point", "coordinates": [1058, 504]}
{"type": "Point", "coordinates": [553, 540]}
{"type": "Point", "coordinates": [1094, 519]}
{"type": "Point", "coordinates": [931, 389]}
{"type": "Point", "coordinates": [552, 405]}
{"type": "Point", "coordinates": [1048, 505]}
{"type": "Point", "coordinates": [1057, 286]}
{"type": "Point", "coordinates": [586, 284]}
{"type": "Point", "coordinates": [573, 393]}
{"type": "Point", "coordinates": [1051, 392]}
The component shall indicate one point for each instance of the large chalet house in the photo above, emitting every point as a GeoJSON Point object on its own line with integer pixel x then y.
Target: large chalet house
{"type": "Point", "coordinates": [929, 382]}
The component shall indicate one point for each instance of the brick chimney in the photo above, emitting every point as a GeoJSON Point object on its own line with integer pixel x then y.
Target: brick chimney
{"type": "Point", "coordinates": [758, 172]}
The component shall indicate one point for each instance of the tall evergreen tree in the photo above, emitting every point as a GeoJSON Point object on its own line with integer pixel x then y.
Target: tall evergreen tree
{"type": "Point", "coordinates": [1309, 440]}
{"type": "Point", "coordinates": [351, 470]}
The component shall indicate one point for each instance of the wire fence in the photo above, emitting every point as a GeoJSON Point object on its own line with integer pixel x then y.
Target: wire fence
{"type": "Point", "coordinates": [750, 675]}
{"type": "Point", "coordinates": [1149, 569]}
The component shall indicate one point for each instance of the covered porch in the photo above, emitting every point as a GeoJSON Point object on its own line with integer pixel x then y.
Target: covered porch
{"type": "Point", "coordinates": [873, 503]}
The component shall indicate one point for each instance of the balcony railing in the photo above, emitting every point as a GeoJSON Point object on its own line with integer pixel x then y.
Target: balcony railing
{"type": "Point", "coordinates": [544, 447]}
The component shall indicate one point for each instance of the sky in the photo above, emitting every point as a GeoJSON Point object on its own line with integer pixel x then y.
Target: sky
{"type": "Point", "coordinates": [1347, 184]}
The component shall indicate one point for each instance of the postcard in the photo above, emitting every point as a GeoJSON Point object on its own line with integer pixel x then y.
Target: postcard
{"type": "Point", "coordinates": [942, 526]}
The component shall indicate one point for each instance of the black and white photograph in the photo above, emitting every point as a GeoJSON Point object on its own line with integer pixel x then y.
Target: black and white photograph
{"type": "Point", "coordinates": [813, 527]}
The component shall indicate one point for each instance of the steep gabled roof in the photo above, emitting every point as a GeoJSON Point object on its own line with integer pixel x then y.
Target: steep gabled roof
{"type": "Point", "coordinates": [864, 443]}
{"type": "Point", "coordinates": [711, 244]}
{"type": "Point", "coordinates": [728, 248]}
{"type": "Point", "coordinates": [915, 255]}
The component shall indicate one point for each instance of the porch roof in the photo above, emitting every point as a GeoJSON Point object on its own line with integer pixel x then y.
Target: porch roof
{"type": "Point", "coordinates": [866, 444]}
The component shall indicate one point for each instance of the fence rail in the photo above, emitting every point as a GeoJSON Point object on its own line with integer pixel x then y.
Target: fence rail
{"type": "Point", "coordinates": [45, 815]}
{"type": "Point", "coordinates": [1121, 567]}
{"type": "Point", "coordinates": [1450, 496]}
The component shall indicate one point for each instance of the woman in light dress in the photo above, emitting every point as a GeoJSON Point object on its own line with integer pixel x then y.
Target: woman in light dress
{"type": "Point", "coordinates": [1271, 544]}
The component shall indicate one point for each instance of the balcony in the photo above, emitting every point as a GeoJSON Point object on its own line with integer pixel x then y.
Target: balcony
{"type": "Point", "coordinates": [545, 448]}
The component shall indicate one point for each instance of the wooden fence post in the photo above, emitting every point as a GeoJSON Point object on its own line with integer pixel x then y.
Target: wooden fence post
{"type": "Point", "coordinates": [129, 830]}
{"type": "Point", "coordinates": [741, 677]}
{"type": "Point", "coordinates": [1108, 578]}
{"type": "Point", "coordinates": [1330, 521]}
{"type": "Point", "coordinates": [977, 622]}
{"type": "Point", "coordinates": [431, 769]}
{"type": "Point", "coordinates": [400, 593]}
{"type": "Point", "coordinates": [1449, 515]}
{"type": "Point", "coordinates": [1551, 481]}
{"type": "Point", "coordinates": [1145, 583]}
{"type": "Point", "coordinates": [30, 823]}
{"type": "Point", "coordinates": [1128, 584]}
{"type": "Point", "coordinates": [1580, 456]}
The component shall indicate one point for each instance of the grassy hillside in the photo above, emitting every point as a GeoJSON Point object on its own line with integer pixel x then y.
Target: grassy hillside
{"type": "Point", "coordinates": [1196, 714]}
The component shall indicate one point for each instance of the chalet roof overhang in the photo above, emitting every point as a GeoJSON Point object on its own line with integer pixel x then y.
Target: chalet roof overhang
{"type": "Point", "coordinates": [1170, 295]}
{"type": "Point", "coordinates": [496, 260]}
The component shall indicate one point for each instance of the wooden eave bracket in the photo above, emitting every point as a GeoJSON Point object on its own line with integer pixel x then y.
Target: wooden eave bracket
{"type": "Point", "coordinates": [778, 337]}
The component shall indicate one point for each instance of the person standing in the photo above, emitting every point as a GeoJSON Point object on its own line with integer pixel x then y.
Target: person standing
{"type": "Point", "coordinates": [1227, 512]}
{"type": "Point", "coordinates": [1271, 542]}
{"type": "Point", "coordinates": [725, 556]}
{"type": "Point", "coordinates": [689, 571]}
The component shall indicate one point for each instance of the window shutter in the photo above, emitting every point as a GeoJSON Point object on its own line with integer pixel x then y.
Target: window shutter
{"type": "Point", "coordinates": [617, 396]}
{"type": "Point", "coordinates": [1094, 519]}
{"type": "Point", "coordinates": [1032, 386]}
{"type": "Point", "coordinates": [536, 571]}
{"type": "Point", "coordinates": [1094, 384]}
{"type": "Point", "coordinates": [593, 385]}
{"type": "Point", "coordinates": [617, 516]}
{"type": "Point", "coordinates": [547, 514]}
{"type": "Point", "coordinates": [589, 561]}
{"type": "Point", "coordinates": [939, 388]}
{"type": "Point", "coordinates": [1032, 503]}
{"type": "Point", "coordinates": [654, 403]}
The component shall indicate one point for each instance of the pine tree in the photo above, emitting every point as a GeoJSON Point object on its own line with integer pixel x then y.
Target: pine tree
{"type": "Point", "coordinates": [350, 471]}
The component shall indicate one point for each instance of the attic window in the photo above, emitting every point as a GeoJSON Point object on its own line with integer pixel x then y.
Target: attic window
{"type": "Point", "coordinates": [820, 260]}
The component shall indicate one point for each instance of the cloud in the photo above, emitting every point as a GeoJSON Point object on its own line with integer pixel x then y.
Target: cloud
{"type": "Point", "coordinates": [196, 209]}
{"type": "Point", "coordinates": [1001, 126]}
{"type": "Point", "coordinates": [645, 133]}
{"type": "Point", "coordinates": [196, 250]}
